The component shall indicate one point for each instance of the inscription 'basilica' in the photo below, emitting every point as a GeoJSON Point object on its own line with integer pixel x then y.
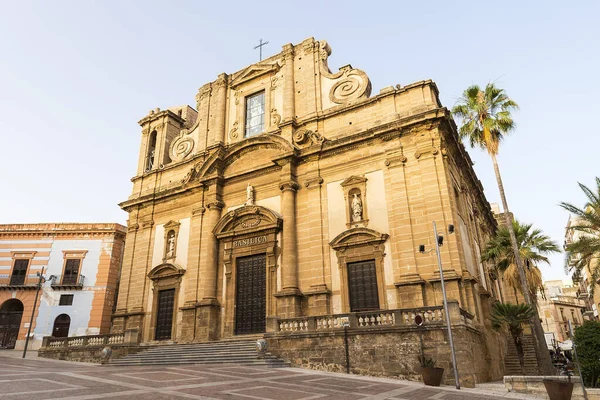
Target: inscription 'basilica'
{"type": "Point", "coordinates": [290, 199]}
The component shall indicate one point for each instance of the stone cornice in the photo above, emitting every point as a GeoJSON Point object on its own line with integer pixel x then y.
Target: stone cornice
{"type": "Point", "coordinates": [55, 229]}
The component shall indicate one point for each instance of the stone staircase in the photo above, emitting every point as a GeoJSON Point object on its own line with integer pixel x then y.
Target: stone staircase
{"type": "Point", "coordinates": [511, 361]}
{"type": "Point", "coordinates": [240, 352]}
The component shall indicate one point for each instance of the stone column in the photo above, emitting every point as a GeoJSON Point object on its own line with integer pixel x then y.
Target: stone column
{"type": "Point", "coordinates": [289, 297]}
{"type": "Point", "coordinates": [217, 127]}
{"type": "Point", "coordinates": [207, 320]}
{"type": "Point", "coordinates": [288, 84]}
{"type": "Point", "coordinates": [209, 275]}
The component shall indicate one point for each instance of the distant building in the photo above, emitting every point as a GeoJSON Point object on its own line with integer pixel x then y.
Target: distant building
{"type": "Point", "coordinates": [81, 264]}
{"type": "Point", "coordinates": [583, 281]}
{"type": "Point", "coordinates": [560, 306]}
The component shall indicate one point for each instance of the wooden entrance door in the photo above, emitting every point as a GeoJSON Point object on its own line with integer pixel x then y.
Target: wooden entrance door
{"type": "Point", "coordinates": [10, 322]}
{"type": "Point", "coordinates": [164, 315]}
{"type": "Point", "coordinates": [362, 285]}
{"type": "Point", "coordinates": [251, 294]}
{"type": "Point", "coordinates": [61, 326]}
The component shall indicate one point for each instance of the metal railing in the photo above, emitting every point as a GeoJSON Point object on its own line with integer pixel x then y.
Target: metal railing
{"type": "Point", "coordinates": [7, 280]}
{"type": "Point", "coordinates": [67, 280]}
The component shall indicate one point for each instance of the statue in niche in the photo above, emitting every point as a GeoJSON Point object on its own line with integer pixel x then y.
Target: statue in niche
{"type": "Point", "coordinates": [170, 245]}
{"type": "Point", "coordinates": [357, 208]}
{"type": "Point", "coordinates": [249, 196]}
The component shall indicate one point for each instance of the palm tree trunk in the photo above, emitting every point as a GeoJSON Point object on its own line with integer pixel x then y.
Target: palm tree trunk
{"type": "Point", "coordinates": [520, 354]}
{"type": "Point", "coordinates": [542, 354]}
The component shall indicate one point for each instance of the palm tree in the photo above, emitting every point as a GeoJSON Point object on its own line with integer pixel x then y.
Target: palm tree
{"type": "Point", "coordinates": [584, 251]}
{"type": "Point", "coordinates": [486, 118]}
{"type": "Point", "coordinates": [511, 317]}
{"type": "Point", "coordinates": [534, 246]}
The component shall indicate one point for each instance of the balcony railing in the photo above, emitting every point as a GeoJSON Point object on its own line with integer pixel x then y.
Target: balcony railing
{"type": "Point", "coordinates": [67, 281]}
{"type": "Point", "coordinates": [128, 337]}
{"type": "Point", "coordinates": [405, 317]}
{"type": "Point", "coordinates": [18, 281]}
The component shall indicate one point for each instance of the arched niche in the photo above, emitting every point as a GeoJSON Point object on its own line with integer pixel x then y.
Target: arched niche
{"type": "Point", "coordinates": [360, 245]}
{"type": "Point", "coordinates": [248, 231]}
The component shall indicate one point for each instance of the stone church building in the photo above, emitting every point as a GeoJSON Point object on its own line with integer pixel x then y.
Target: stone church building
{"type": "Point", "coordinates": [291, 202]}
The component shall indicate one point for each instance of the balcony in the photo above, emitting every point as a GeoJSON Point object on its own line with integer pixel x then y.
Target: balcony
{"type": "Point", "coordinates": [67, 282]}
{"type": "Point", "coordinates": [583, 295]}
{"type": "Point", "coordinates": [17, 282]}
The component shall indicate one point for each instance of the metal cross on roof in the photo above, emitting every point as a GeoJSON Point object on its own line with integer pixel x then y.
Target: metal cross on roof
{"type": "Point", "coordinates": [260, 46]}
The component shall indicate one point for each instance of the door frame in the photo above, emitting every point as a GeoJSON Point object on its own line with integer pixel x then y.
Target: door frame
{"type": "Point", "coordinates": [247, 231]}
{"type": "Point", "coordinates": [158, 292]}
{"type": "Point", "coordinates": [54, 324]}
{"type": "Point", "coordinates": [360, 244]}
{"type": "Point", "coordinates": [164, 276]}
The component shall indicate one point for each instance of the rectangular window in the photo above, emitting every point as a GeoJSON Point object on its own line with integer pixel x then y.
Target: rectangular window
{"type": "Point", "coordinates": [19, 272]}
{"type": "Point", "coordinates": [71, 271]}
{"type": "Point", "coordinates": [66, 300]}
{"type": "Point", "coordinates": [255, 114]}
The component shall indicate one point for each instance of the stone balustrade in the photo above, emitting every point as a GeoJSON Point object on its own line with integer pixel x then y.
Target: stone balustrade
{"type": "Point", "coordinates": [404, 317]}
{"type": "Point", "coordinates": [129, 337]}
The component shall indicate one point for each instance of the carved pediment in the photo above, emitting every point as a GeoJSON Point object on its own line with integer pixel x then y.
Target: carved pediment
{"type": "Point", "coordinates": [165, 270]}
{"type": "Point", "coordinates": [254, 71]}
{"type": "Point", "coordinates": [354, 180]}
{"type": "Point", "coordinates": [171, 224]}
{"type": "Point", "coordinates": [247, 219]}
{"type": "Point", "coordinates": [358, 237]}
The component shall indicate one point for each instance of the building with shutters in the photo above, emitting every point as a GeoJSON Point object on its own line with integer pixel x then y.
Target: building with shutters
{"type": "Point", "coordinates": [291, 201]}
{"type": "Point", "coordinates": [80, 264]}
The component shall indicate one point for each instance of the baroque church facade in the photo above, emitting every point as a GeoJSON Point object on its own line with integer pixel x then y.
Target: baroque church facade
{"type": "Point", "coordinates": [292, 200]}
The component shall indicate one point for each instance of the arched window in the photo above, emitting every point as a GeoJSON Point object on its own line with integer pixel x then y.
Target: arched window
{"type": "Point", "coordinates": [150, 155]}
{"type": "Point", "coordinates": [10, 322]}
{"type": "Point", "coordinates": [61, 326]}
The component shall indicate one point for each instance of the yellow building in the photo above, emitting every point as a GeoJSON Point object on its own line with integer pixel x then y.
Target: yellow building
{"type": "Point", "coordinates": [560, 306]}
{"type": "Point", "coordinates": [291, 200]}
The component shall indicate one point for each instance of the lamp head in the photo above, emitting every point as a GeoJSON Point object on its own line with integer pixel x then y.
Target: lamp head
{"type": "Point", "coordinates": [440, 240]}
{"type": "Point", "coordinates": [450, 229]}
{"type": "Point", "coordinates": [421, 248]}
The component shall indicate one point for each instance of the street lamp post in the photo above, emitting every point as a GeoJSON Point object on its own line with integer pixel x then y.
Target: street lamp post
{"type": "Point", "coordinates": [438, 239]}
{"type": "Point", "coordinates": [41, 280]}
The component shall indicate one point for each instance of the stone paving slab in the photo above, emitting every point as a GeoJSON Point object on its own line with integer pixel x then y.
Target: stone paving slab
{"type": "Point", "coordinates": [41, 379]}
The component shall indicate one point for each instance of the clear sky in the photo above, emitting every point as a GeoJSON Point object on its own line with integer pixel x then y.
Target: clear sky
{"type": "Point", "coordinates": [76, 76]}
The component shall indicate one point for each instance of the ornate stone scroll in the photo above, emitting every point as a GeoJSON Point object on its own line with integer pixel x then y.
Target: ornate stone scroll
{"type": "Point", "coordinates": [182, 146]}
{"type": "Point", "coordinates": [349, 83]}
{"type": "Point", "coordinates": [307, 137]}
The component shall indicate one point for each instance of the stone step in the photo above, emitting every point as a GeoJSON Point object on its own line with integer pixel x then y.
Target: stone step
{"type": "Point", "coordinates": [234, 351]}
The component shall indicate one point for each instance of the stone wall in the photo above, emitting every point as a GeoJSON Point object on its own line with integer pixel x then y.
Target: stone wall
{"type": "Point", "coordinates": [393, 352]}
{"type": "Point", "coordinates": [91, 354]}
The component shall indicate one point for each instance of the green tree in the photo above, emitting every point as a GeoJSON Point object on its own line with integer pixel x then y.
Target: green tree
{"type": "Point", "coordinates": [485, 117]}
{"type": "Point", "coordinates": [587, 344]}
{"type": "Point", "coordinates": [584, 251]}
{"type": "Point", "coordinates": [533, 245]}
{"type": "Point", "coordinates": [511, 317]}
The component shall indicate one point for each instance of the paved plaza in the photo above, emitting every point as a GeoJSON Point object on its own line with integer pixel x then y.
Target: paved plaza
{"type": "Point", "coordinates": [36, 378]}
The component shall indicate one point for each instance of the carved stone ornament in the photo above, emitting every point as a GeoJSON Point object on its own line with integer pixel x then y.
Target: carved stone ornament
{"type": "Point", "coordinates": [307, 137]}
{"type": "Point", "coordinates": [350, 84]}
{"type": "Point", "coordinates": [275, 117]}
{"type": "Point", "coordinates": [234, 131]}
{"type": "Point", "coordinates": [182, 146]}
{"type": "Point", "coordinates": [274, 82]}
